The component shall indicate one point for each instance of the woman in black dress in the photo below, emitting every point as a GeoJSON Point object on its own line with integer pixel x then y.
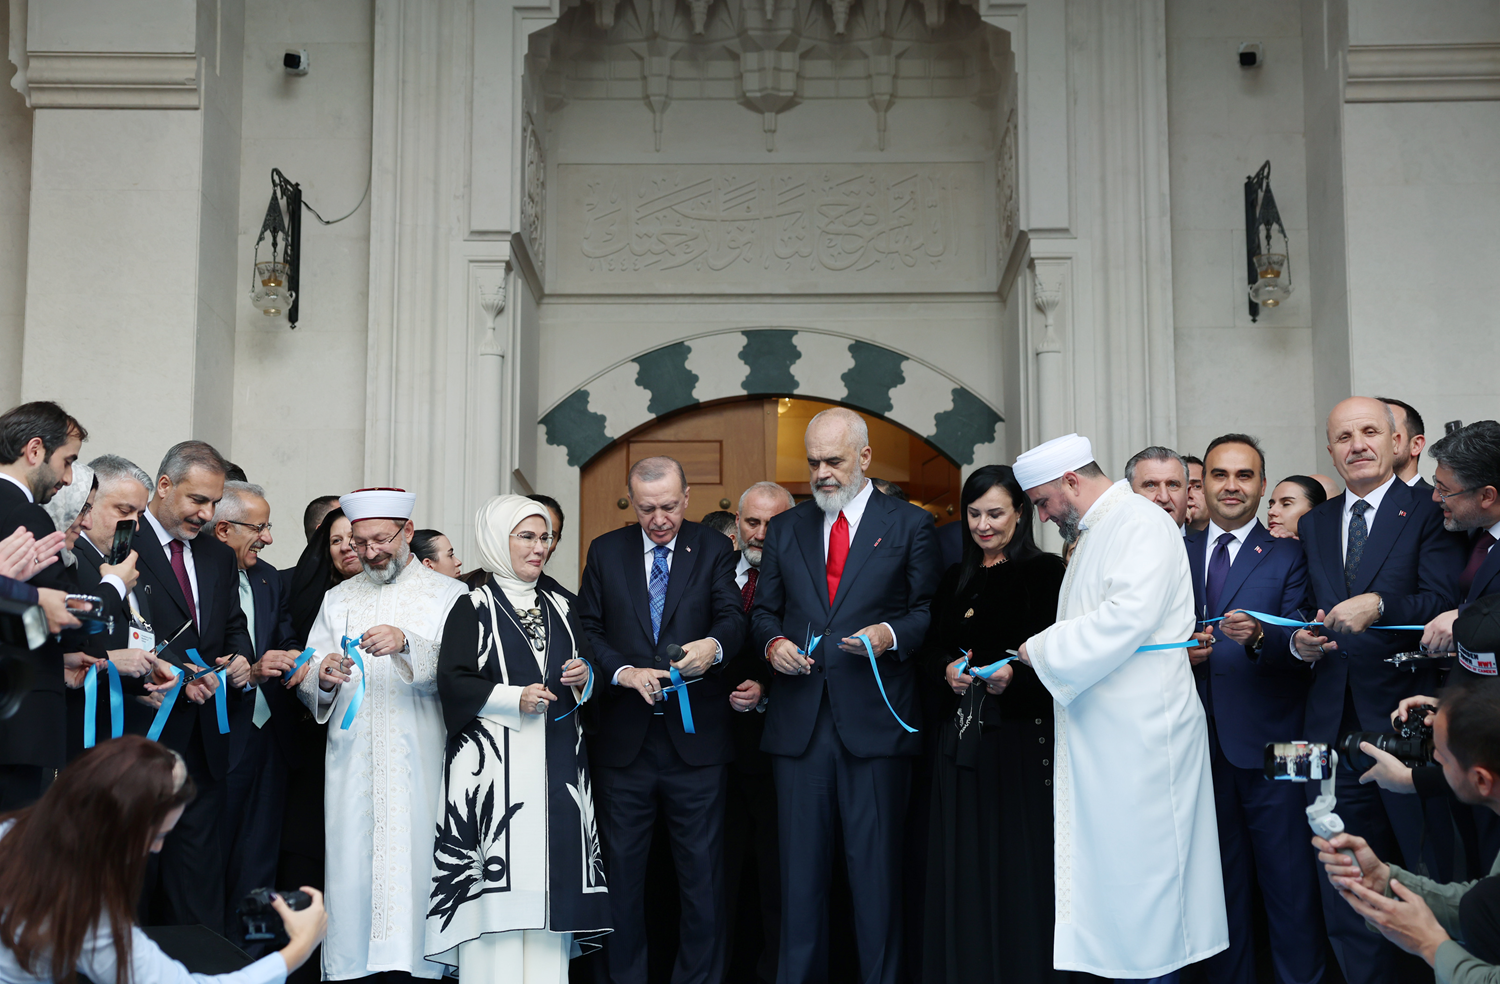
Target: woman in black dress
{"type": "Point", "coordinates": [989, 910]}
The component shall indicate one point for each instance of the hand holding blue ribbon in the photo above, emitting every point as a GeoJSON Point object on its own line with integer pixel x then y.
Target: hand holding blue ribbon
{"type": "Point", "coordinates": [588, 691]}
{"type": "Point", "coordinates": [1287, 623]}
{"type": "Point", "coordinates": [679, 686]}
{"type": "Point", "coordinates": [983, 672]}
{"type": "Point", "coordinates": [165, 710]}
{"type": "Point", "coordinates": [221, 699]}
{"type": "Point", "coordinates": [351, 650]}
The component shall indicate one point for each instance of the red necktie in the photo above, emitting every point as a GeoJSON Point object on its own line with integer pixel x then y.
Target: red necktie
{"type": "Point", "coordinates": [1476, 559]}
{"type": "Point", "coordinates": [747, 593]}
{"type": "Point", "coordinates": [838, 552]}
{"type": "Point", "coordinates": [179, 567]}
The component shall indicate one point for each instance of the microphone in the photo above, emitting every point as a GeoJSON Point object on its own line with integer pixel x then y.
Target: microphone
{"type": "Point", "coordinates": [675, 653]}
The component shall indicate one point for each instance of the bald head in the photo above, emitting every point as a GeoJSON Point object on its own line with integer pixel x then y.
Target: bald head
{"type": "Point", "coordinates": [839, 427]}
{"type": "Point", "coordinates": [1362, 443]}
{"type": "Point", "coordinates": [838, 453]}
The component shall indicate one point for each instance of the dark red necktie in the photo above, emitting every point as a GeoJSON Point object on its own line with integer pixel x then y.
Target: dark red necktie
{"type": "Point", "coordinates": [1476, 560]}
{"type": "Point", "coordinates": [747, 593]}
{"type": "Point", "coordinates": [838, 553]}
{"type": "Point", "coordinates": [179, 567]}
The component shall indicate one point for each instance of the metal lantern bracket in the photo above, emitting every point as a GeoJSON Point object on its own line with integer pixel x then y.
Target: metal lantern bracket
{"type": "Point", "coordinates": [1260, 212]}
{"type": "Point", "coordinates": [286, 235]}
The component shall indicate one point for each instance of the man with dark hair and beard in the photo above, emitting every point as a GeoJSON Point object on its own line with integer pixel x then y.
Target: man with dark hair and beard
{"type": "Point", "coordinates": [842, 601]}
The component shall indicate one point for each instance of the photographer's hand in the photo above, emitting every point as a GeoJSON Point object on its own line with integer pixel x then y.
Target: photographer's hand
{"type": "Point", "coordinates": [1402, 709]}
{"type": "Point", "coordinates": [1373, 873]}
{"type": "Point", "coordinates": [1389, 772]}
{"type": "Point", "coordinates": [1405, 920]}
{"type": "Point", "coordinates": [304, 928]}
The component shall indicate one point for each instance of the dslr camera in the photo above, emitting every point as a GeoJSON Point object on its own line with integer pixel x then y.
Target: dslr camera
{"type": "Point", "coordinates": [260, 920]}
{"type": "Point", "coordinates": [1412, 743]}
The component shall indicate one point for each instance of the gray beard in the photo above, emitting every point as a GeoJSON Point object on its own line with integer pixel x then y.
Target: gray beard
{"type": "Point", "coordinates": [393, 570]}
{"type": "Point", "coordinates": [1067, 524]}
{"type": "Point", "coordinates": [752, 555]}
{"type": "Point", "coordinates": [834, 503]}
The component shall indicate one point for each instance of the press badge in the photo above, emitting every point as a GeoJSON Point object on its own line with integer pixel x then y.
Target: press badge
{"type": "Point", "coordinates": [141, 638]}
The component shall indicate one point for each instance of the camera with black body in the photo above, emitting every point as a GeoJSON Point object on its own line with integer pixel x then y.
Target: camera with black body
{"type": "Point", "coordinates": [260, 920]}
{"type": "Point", "coordinates": [1411, 742]}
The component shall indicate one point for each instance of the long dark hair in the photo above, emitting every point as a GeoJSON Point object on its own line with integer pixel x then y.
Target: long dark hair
{"type": "Point", "coordinates": [78, 855]}
{"type": "Point", "coordinates": [1022, 543]}
{"type": "Point", "coordinates": [314, 575]}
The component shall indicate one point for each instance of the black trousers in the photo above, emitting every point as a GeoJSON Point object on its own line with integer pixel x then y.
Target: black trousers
{"type": "Point", "coordinates": [691, 798]}
{"type": "Point", "coordinates": [752, 876]}
{"type": "Point", "coordinates": [23, 785]}
{"type": "Point", "coordinates": [185, 882]}
{"type": "Point", "coordinates": [823, 788]}
{"type": "Point", "coordinates": [250, 836]}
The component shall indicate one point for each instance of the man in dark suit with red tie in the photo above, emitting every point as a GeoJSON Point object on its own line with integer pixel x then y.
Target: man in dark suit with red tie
{"type": "Point", "coordinates": [851, 563]}
{"type": "Point", "coordinates": [657, 597]}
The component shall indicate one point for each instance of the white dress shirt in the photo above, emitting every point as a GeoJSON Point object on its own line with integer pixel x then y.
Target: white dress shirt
{"type": "Point", "coordinates": [650, 554]}
{"type": "Point", "coordinates": [1214, 532]}
{"type": "Point", "coordinates": [742, 572]}
{"type": "Point", "coordinates": [1410, 482]}
{"type": "Point", "coordinates": [165, 539]}
{"type": "Point", "coordinates": [1374, 499]}
{"type": "Point", "coordinates": [853, 513]}
{"type": "Point", "coordinates": [20, 485]}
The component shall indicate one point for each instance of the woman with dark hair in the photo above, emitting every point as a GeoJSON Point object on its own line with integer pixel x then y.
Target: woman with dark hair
{"type": "Point", "coordinates": [72, 865]}
{"type": "Point", "coordinates": [436, 553]}
{"type": "Point", "coordinates": [1291, 499]}
{"type": "Point", "coordinates": [989, 906]}
{"type": "Point", "coordinates": [328, 559]}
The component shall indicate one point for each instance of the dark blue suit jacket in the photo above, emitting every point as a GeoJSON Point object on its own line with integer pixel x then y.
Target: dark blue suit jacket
{"type": "Point", "coordinates": [1252, 702]}
{"type": "Point", "coordinates": [891, 573]}
{"type": "Point", "coordinates": [1413, 563]}
{"type": "Point", "coordinates": [273, 630]}
{"type": "Point", "coordinates": [614, 608]}
{"type": "Point", "coordinates": [1487, 578]}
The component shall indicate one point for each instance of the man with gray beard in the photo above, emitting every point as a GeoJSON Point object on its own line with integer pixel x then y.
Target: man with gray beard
{"type": "Point", "coordinates": [841, 605]}
{"type": "Point", "coordinates": [377, 638]}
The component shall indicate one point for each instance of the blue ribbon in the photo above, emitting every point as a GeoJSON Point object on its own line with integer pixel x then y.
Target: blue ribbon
{"type": "Point", "coordinates": [165, 710]}
{"type": "Point", "coordinates": [1288, 623]}
{"type": "Point", "coordinates": [301, 661]}
{"type": "Point", "coordinates": [221, 699]}
{"type": "Point", "coordinates": [870, 651]}
{"type": "Point", "coordinates": [91, 703]}
{"type": "Point", "coordinates": [983, 672]}
{"type": "Point", "coordinates": [588, 691]}
{"type": "Point", "coordinates": [351, 649]}
{"type": "Point", "coordinates": [684, 705]}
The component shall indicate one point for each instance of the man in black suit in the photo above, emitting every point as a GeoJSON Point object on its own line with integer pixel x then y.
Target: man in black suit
{"type": "Point", "coordinates": [192, 579]}
{"type": "Point", "coordinates": [1467, 490]}
{"type": "Point", "coordinates": [38, 444]}
{"type": "Point", "coordinates": [850, 563]}
{"type": "Point", "coordinates": [664, 583]}
{"type": "Point", "coordinates": [1411, 438]}
{"type": "Point", "coordinates": [1376, 555]}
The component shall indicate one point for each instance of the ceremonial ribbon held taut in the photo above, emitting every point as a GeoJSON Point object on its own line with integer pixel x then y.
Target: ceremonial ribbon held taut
{"type": "Point", "coordinates": [1288, 623]}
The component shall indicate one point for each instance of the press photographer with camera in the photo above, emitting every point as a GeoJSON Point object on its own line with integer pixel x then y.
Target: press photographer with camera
{"type": "Point", "coordinates": [72, 866]}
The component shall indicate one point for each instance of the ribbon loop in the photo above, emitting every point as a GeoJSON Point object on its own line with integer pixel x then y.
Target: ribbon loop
{"type": "Point", "coordinates": [91, 703]}
{"type": "Point", "coordinates": [870, 651]}
{"type": "Point", "coordinates": [588, 691]}
{"type": "Point", "coordinates": [221, 699]}
{"type": "Point", "coordinates": [684, 706]}
{"type": "Point", "coordinates": [351, 649]}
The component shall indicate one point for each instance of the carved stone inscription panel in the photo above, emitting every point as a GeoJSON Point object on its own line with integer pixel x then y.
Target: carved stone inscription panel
{"type": "Point", "coordinates": [772, 228]}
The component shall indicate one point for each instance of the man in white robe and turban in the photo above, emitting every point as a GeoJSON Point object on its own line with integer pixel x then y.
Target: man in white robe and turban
{"type": "Point", "coordinates": [386, 740]}
{"type": "Point", "coordinates": [1139, 887]}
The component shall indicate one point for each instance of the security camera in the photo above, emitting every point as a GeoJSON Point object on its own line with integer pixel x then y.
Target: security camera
{"type": "Point", "coordinates": [295, 62]}
{"type": "Point", "coordinates": [1251, 55]}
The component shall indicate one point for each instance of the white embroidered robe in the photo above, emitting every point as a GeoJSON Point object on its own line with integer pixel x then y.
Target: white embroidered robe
{"type": "Point", "coordinates": [385, 773]}
{"type": "Point", "coordinates": [1139, 887]}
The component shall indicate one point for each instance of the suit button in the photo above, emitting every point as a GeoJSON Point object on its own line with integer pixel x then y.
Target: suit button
{"type": "Point", "coordinates": [656, 659]}
{"type": "Point", "coordinates": [1046, 761]}
{"type": "Point", "coordinates": [1038, 720]}
{"type": "Point", "coordinates": [1041, 741]}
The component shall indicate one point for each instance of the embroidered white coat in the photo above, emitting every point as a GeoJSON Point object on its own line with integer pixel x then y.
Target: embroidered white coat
{"type": "Point", "coordinates": [1140, 892]}
{"type": "Point", "coordinates": [385, 774]}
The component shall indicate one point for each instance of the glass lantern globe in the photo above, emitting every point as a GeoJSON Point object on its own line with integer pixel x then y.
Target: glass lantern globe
{"type": "Point", "coordinates": [1273, 283]}
{"type": "Point", "coordinates": [270, 295]}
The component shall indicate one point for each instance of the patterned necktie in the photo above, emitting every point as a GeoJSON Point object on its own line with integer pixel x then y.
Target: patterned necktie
{"type": "Point", "coordinates": [179, 567]}
{"type": "Point", "coordinates": [747, 593]}
{"type": "Point", "coordinates": [1218, 573]}
{"type": "Point", "coordinates": [658, 588]}
{"type": "Point", "coordinates": [1476, 560]}
{"type": "Point", "coordinates": [838, 553]}
{"type": "Point", "coordinates": [1358, 533]}
{"type": "Point", "coordinates": [247, 605]}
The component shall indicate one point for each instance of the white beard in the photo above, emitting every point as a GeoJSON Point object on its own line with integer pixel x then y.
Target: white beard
{"type": "Point", "coordinates": [833, 503]}
{"type": "Point", "coordinates": [392, 570]}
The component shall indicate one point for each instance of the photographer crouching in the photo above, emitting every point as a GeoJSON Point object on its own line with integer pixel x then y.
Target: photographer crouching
{"type": "Point", "coordinates": [72, 865]}
{"type": "Point", "coordinates": [1453, 926]}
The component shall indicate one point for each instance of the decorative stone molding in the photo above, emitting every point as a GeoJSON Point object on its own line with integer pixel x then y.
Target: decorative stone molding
{"type": "Point", "coordinates": [1007, 190]}
{"type": "Point", "coordinates": [534, 195]}
{"type": "Point", "coordinates": [1423, 72]}
{"type": "Point", "coordinates": [111, 80]}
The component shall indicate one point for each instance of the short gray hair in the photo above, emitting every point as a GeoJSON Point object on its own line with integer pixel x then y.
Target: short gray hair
{"type": "Point", "coordinates": [1154, 453]}
{"type": "Point", "coordinates": [190, 454]}
{"type": "Point", "coordinates": [858, 430]}
{"type": "Point", "coordinates": [112, 469]}
{"type": "Point", "coordinates": [654, 469]}
{"type": "Point", "coordinates": [232, 507]}
{"type": "Point", "coordinates": [766, 488]}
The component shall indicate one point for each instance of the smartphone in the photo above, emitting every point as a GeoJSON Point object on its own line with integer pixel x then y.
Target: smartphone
{"type": "Point", "coordinates": [119, 548]}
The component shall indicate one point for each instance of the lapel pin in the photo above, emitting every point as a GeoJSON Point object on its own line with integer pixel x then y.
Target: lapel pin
{"type": "Point", "coordinates": [1257, 549]}
{"type": "Point", "coordinates": [1402, 512]}
{"type": "Point", "coordinates": [688, 549]}
{"type": "Point", "coordinates": [877, 541]}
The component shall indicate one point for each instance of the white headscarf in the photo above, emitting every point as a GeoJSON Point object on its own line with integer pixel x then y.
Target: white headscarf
{"type": "Point", "coordinates": [496, 520]}
{"type": "Point", "coordinates": [65, 506]}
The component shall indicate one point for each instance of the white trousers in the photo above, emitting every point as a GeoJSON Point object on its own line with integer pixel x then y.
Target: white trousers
{"type": "Point", "coordinates": [527, 956]}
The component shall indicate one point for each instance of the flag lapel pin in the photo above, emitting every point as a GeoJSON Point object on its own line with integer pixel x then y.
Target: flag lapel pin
{"type": "Point", "coordinates": [1402, 512]}
{"type": "Point", "coordinates": [877, 541]}
{"type": "Point", "coordinates": [1257, 549]}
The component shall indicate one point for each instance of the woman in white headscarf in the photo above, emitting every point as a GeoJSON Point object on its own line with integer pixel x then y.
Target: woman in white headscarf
{"type": "Point", "coordinates": [518, 879]}
{"type": "Point", "coordinates": [72, 507]}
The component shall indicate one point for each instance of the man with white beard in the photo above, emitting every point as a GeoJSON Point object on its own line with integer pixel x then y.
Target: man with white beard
{"type": "Point", "coordinates": [841, 604]}
{"type": "Point", "coordinates": [1140, 892]}
{"type": "Point", "coordinates": [377, 636]}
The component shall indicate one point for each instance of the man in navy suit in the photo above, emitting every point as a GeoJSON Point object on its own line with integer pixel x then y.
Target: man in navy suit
{"type": "Point", "coordinates": [646, 589]}
{"type": "Point", "coordinates": [1466, 487]}
{"type": "Point", "coordinates": [850, 563]}
{"type": "Point", "coordinates": [192, 580]}
{"type": "Point", "coordinates": [255, 788]}
{"type": "Point", "coordinates": [1376, 554]}
{"type": "Point", "coordinates": [1411, 438]}
{"type": "Point", "coordinates": [1236, 564]}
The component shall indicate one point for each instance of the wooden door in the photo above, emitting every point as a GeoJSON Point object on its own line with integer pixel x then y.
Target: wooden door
{"type": "Point", "coordinates": [724, 449]}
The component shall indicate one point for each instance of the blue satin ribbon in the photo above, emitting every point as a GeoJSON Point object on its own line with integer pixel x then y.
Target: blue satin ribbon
{"type": "Point", "coordinates": [91, 703]}
{"type": "Point", "coordinates": [301, 660]}
{"type": "Point", "coordinates": [221, 699]}
{"type": "Point", "coordinates": [983, 672]}
{"type": "Point", "coordinates": [1288, 623]}
{"type": "Point", "coordinates": [165, 710]}
{"type": "Point", "coordinates": [588, 691]}
{"type": "Point", "coordinates": [684, 706]}
{"type": "Point", "coordinates": [351, 649]}
{"type": "Point", "coordinates": [870, 651]}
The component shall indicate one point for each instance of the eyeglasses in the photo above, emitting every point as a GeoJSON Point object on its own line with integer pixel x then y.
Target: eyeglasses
{"type": "Point", "coordinates": [385, 541]}
{"type": "Point", "coordinates": [1443, 497]}
{"type": "Point", "coordinates": [546, 539]}
{"type": "Point", "coordinates": [259, 528]}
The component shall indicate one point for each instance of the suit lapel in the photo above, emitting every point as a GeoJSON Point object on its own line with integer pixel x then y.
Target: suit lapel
{"type": "Point", "coordinates": [149, 553]}
{"type": "Point", "coordinates": [684, 558]}
{"type": "Point", "coordinates": [873, 526]}
{"type": "Point", "coordinates": [1330, 544]}
{"type": "Point", "coordinates": [207, 576]}
{"type": "Point", "coordinates": [634, 572]}
{"type": "Point", "coordinates": [1488, 569]}
{"type": "Point", "coordinates": [1390, 520]}
{"type": "Point", "coordinates": [1255, 549]}
{"type": "Point", "coordinates": [265, 611]}
{"type": "Point", "coordinates": [810, 538]}
{"type": "Point", "coordinates": [1193, 543]}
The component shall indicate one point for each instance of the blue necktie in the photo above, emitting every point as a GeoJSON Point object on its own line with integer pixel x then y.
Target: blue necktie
{"type": "Point", "coordinates": [1358, 533]}
{"type": "Point", "coordinates": [1218, 573]}
{"type": "Point", "coordinates": [658, 588]}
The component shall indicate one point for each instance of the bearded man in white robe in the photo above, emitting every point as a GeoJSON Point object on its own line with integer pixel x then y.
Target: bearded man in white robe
{"type": "Point", "coordinates": [385, 742]}
{"type": "Point", "coordinates": [1140, 890]}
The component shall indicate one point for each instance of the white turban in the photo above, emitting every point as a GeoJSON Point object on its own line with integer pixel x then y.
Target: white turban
{"type": "Point", "coordinates": [496, 520]}
{"type": "Point", "coordinates": [394, 504]}
{"type": "Point", "coordinates": [1048, 462]}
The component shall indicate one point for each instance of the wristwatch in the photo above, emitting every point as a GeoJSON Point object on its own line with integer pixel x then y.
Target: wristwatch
{"type": "Point", "coordinates": [1381, 612]}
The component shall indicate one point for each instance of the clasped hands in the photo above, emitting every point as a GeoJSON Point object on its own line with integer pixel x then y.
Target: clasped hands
{"type": "Point", "coordinates": [697, 657]}
{"type": "Point", "coordinates": [962, 681]}
{"type": "Point", "coordinates": [1405, 920]}
{"type": "Point", "coordinates": [535, 697]}
{"type": "Point", "coordinates": [334, 669]}
{"type": "Point", "coordinates": [1351, 616]}
{"type": "Point", "coordinates": [787, 658]}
